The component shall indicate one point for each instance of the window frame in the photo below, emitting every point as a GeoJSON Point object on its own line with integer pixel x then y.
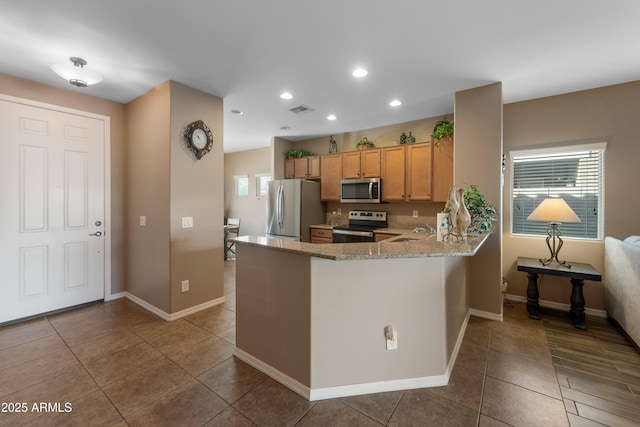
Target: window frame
{"type": "Point", "coordinates": [236, 185]}
{"type": "Point", "coordinates": [559, 150]}
{"type": "Point", "coordinates": [259, 179]}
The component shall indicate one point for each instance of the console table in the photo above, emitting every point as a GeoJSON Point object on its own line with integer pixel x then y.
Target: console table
{"type": "Point", "coordinates": [578, 273]}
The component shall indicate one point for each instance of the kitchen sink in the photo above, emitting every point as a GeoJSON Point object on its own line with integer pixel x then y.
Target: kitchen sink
{"type": "Point", "coordinates": [406, 239]}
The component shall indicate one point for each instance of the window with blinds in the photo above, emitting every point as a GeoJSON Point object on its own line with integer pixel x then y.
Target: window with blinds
{"type": "Point", "coordinates": [574, 173]}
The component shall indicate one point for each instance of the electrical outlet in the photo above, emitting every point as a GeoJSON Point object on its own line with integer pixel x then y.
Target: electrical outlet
{"type": "Point", "coordinates": [415, 213]}
{"type": "Point", "coordinates": [391, 337]}
{"type": "Point", "coordinates": [339, 211]}
{"type": "Point", "coordinates": [187, 222]}
{"type": "Point", "coordinates": [185, 286]}
{"type": "Point", "coordinates": [143, 221]}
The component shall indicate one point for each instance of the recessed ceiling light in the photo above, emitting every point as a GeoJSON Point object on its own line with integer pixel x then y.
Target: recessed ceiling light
{"type": "Point", "coordinates": [286, 95]}
{"type": "Point", "coordinates": [359, 72]}
{"type": "Point", "coordinates": [285, 128]}
{"type": "Point", "coordinates": [332, 117]}
{"type": "Point", "coordinates": [237, 112]}
{"type": "Point", "coordinates": [395, 103]}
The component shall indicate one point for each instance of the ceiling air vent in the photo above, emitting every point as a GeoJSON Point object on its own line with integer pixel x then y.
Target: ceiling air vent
{"type": "Point", "coordinates": [300, 109]}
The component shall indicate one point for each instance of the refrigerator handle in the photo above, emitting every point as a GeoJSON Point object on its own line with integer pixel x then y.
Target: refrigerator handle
{"type": "Point", "coordinates": [281, 208]}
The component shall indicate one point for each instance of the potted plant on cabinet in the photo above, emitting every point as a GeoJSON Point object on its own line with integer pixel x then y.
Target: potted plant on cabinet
{"type": "Point", "coordinates": [292, 153]}
{"type": "Point", "coordinates": [442, 131]}
{"type": "Point", "coordinates": [364, 144]}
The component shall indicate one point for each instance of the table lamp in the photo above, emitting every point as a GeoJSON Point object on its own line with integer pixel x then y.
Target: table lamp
{"type": "Point", "coordinates": [555, 211]}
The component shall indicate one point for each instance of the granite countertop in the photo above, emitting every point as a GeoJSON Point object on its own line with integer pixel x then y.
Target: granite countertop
{"type": "Point", "coordinates": [424, 247]}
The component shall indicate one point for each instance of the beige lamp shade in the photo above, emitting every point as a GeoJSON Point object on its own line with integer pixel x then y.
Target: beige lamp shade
{"type": "Point", "coordinates": [554, 210]}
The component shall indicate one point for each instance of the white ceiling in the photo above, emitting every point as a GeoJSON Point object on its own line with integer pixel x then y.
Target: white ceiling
{"type": "Point", "coordinates": [249, 51]}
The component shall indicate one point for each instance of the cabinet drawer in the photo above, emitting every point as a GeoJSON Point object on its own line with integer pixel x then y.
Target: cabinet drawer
{"type": "Point", "coordinates": [321, 240]}
{"type": "Point", "coordinates": [322, 233]}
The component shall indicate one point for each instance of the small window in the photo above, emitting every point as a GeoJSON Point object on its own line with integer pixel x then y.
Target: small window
{"type": "Point", "coordinates": [574, 173]}
{"type": "Point", "coordinates": [262, 183]}
{"type": "Point", "coordinates": [241, 185]}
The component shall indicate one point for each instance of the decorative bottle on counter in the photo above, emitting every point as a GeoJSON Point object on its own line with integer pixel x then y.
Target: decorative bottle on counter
{"type": "Point", "coordinates": [411, 139]}
{"type": "Point", "coordinates": [403, 138]}
{"type": "Point", "coordinates": [464, 217]}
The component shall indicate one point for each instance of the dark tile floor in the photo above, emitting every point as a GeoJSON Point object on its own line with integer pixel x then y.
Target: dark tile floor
{"type": "Point", "coordinates": [117, 364]}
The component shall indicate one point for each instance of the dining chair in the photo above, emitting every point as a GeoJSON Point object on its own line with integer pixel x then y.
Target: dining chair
{"type": "Point", "coordinates": [233, 227]}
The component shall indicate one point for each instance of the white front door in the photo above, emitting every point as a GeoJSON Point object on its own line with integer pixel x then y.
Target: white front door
{"type": "Point", "coordinates": [51, 210]}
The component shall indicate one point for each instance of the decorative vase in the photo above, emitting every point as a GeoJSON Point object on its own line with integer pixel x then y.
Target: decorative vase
{"type": "Point", "coordinates": [403, 138]}
{"type": "Point", "coordinates": [411, 139]}
{"type": "Point", "coordinates": [333, 147]}
{"type": "Point", "coordinates": [464, 217]}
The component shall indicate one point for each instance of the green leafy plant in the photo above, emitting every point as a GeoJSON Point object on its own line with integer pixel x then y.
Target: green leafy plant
{"type": "Point", "coordinates": [442, 130]}
{"type": "Point", "coordinates": [364, 142]}
{"type": "Point", "coordinates": [292, 153]}
{"type": "Point", "coordinates": [482, 214]}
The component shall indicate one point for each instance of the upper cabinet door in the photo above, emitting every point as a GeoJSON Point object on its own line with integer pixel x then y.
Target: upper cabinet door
{"type": "Point", "coordinates": [393, 171]}
{"type": "Point", "coordinates": [370, 164]}
{"type": "Point", "coordinates": [331, 167]}
{"type": "Point", "coordinates": [419, 167]}
{"type": "Point", "coordinates": [351, 165]}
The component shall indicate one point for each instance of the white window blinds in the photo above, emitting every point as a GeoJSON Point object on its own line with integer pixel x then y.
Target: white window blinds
{"type": "Point", "coordinates": [574, 173]}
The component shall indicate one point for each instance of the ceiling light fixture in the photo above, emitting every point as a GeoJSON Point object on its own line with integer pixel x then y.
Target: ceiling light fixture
{"type": "Point", "coordinates": [76, 74]}
{"type": "Point", "coordinates": [285, 128]}
{"type": "Point", "coordinates": [395, 103]}
{"type": "Point", "coordinates": [332, 117]}
{"type": "Point", "coordinates": [286, 95]}
{"type": "Point", "coordinates": [237, 112]}
{"type": "Point", "coordinates": [359, 72]}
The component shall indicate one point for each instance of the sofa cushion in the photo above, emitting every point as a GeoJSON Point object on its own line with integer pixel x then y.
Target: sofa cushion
{"type": "Point", "coordinates": [633, 240]}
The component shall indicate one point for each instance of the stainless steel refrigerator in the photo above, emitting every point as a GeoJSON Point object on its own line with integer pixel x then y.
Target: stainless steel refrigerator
{"type": "Point", "coordinates": [292, 206]}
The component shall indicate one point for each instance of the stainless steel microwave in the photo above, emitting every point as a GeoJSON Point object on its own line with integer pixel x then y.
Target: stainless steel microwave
{"type": "Point", "coordinates": [365, 190]}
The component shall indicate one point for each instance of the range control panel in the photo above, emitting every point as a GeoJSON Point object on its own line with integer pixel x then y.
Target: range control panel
{"type": "Point", "coordinates": [368, 215]}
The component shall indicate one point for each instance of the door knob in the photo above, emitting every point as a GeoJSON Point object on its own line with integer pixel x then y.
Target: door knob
{"type": "Point", "coordinates": [97, 233]}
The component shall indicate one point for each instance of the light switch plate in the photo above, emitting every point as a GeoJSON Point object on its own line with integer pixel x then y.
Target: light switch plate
{"type": "Point", "coordinates": [185, 286]}
{"type": "Point", "coordinates": [415, 213]}
{"type": "Point", "coordinates": [143, 221]}
{"type": "Point", "coordinates": [187, 222]}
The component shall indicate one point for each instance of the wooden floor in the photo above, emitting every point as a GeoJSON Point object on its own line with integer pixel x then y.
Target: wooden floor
{"type": "Point", "coordinates": [598, 372]}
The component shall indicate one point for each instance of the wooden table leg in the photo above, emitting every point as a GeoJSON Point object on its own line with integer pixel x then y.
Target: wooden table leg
{"type": "Point", "coordinates": [533, 306]}
{"type": "Point", "coordinates": [577, 304]}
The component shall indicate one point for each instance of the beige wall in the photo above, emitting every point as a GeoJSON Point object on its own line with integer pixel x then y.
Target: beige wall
{"type": "Point", "coordinates": [477, 160]}
{"type": "Point", "coordinates": [607, 114]}
{"type": "Point", "coordinates": [196, 191]}
{"type": "Point", "coordinates": [74, 99]}
{"type": "Point", "coordinates": [148, 162]}
{"type": "Point", "coordinates": [166, 183]}
{"type": "Point", "coordinates": [252, 210]}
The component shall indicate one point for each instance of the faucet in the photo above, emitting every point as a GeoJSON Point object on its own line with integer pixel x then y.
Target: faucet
{"type": "Point", "coordinates": [429, 229]}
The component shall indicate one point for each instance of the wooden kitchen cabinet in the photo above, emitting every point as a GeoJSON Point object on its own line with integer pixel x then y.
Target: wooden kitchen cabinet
{"type": "Point", "coordinates": [380, 236]}
{"type": "Point", "coordinates": [306, 167]}
{"type": "Point", "coordinates": [321, 235]}
{"type": "Point", "coordinates": [289, 168]}
{"type": "Point", "coordinates": [442, 171]}
{"type": "Point", "coordinates": [393, 174]}
{"type": "Point", "coordinates": [419, 172]}
{"type": "Point", "coordinates": [406, 173]}
{"type": "Point", "coordinates": [361, 164]}
{"type": "Point", "coordinates": [331, 172]}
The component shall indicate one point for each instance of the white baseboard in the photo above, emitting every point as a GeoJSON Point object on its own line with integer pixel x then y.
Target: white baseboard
{"type": "Point", "coordinates": [346, 390]}
{"type": "Point", "coordinates": [173, 316]}
{"type": "Point", "coordinates": [486, 314]}
{"type": "Point", "coordinates": [558, 305]}
{"type": "Point", "coordinates": [456, 348]}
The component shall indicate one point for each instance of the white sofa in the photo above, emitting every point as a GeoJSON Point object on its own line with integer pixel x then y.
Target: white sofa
{"type": "Point", "coordinates": [622, 283]}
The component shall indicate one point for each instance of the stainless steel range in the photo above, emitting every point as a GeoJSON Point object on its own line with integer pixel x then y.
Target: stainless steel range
{"type": "Point", "coordinates": [360, 228]}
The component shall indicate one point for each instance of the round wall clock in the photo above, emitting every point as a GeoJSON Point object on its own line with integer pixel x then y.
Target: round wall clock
{"type": "Point", "coordinates": [198, 138]}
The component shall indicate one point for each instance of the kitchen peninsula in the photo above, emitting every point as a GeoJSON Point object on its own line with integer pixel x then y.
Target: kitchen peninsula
{"type": "Point", "coordinates": [313, 316]}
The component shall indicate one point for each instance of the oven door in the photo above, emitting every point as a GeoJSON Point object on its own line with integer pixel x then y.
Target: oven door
{"type": "Point", "coordinates": [351, 236]}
